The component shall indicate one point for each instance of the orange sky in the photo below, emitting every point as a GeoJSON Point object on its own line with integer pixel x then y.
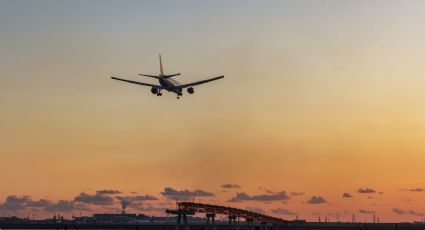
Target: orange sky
{"type": "Point", "coordinates": [319, 97]}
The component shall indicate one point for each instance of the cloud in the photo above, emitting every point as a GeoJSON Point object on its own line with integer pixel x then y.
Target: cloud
{"type": "Point", "coordinates": [280, 211]}
{"type": "Point", "coordinates": [265, 190]}
{"type": "Point", "coordinates": [414, 190]}
{"type": "Point", "coordinates": [16, 203]}
{"type": "Point", "coordinates": [363, 211]}
{"type": "Point", "coordinates": [108, 192]}
{"type": "Point", "coordinates": [43, 203]}
{"type": "Point", "coordinates": [146, 207]}
{"type": "Point", "coordinates": [407, 212]}
{"type": "Point", "coordinates": [271, 197]}
{"type": "Point", "coordinates": [346, 195]}
{"type": "Point", "coordinates": [145, 197]}
{"type": "Point", "coordinates": [240, 196]}
{"type": "Point", "coordinates": [230, 186]}
{"type": "Point", "coordinates": [150, 208]}
{"type": "Point", "coordinates": [61, 206]}
{"type": "Point", "coordinates": [366, 190]}
{"type": "Point", "coordinates": [316, 200]}
{"type": "Point", "coordinates": [96, 199]}
{"type": "Point", "coordinates": [255, 209]}
{"type": "Point", "coordinates": [262, 197]}
{"type": "Point", "coordinates": [185, 194]}
{"type": "Point", "coordinates": [137, 198]}
{"type": "Point", "coordinates": [297, 193]}
{"type": "Point", "coordinates": [127, 200]}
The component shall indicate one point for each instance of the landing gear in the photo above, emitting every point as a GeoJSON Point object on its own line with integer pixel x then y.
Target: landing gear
{"type": "Point", "coordinates": [159, 94]}
{"type": "Point", "coordinates": [178, 97]}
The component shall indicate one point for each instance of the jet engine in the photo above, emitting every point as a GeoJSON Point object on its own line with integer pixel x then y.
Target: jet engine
{"type": "Point", "coordinates": [154, 90]}
{"type": "Point", "coordinates": [190, 90]}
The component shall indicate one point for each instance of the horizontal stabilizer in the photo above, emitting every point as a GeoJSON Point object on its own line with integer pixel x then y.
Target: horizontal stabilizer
{"type": "Point", "coordinates": [170, 75]}
{"type": "Point", "coordinates": [147, 75]}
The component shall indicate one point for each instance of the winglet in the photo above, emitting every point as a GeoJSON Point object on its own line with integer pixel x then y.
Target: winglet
{"type": "Point", "coordinates": [161, 69]}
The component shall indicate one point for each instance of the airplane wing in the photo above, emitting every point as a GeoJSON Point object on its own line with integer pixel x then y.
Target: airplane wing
{"type": "Point", "coordinates": [200, 82]}
{"type": "Point", "coordinates": [138, 83]}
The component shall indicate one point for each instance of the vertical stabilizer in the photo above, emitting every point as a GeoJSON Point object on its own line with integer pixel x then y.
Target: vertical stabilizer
{"type": "Point", "coordinates": [161, 69]}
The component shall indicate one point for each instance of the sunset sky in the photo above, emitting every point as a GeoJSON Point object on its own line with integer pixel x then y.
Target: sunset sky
{"type": "Point", "coordinates": [320, 98]}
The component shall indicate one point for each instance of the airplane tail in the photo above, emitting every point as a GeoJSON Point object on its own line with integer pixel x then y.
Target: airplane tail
{"type": "Point", "coordinates": [161, 69]}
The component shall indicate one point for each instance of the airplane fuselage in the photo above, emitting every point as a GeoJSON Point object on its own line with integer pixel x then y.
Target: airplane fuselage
{"type": "Point", "coordinates": [170, 85]}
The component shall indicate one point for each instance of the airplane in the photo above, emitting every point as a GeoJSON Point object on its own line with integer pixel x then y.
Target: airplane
{"type": "Point", "coordinates": [167, 83]}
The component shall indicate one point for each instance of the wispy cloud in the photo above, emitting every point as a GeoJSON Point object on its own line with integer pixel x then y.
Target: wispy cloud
{"type": "Point", "coordinates": [135, 201]}
{"type": "Point", "coordinates": [413, 190]}
{"type": "Point", "coordinates": [316, 200]}
{"type": "Point", "coordinates": [96, 199]}
{"type": "Point", "coordinates": [16, 203]}
{"type": "Point", "coordinates": [185, 194]}
{"type": "Point", "coordinates": [142, 207]}
{"type": "Point", "coordinates": [280, 211]}
{"type": "Point", "coordinates": [108, 192]}
{"type": "Point", "coordinates": [230, 186]}
{"type": "Point", "coordinates": [64, 206]}
{"type": "Point", "coordinates": [137, 198]}
{"type": "Point", "coordinates": [364, 211]}
{"type": "Point", "coordinates": [366, 190]}
{"type": "Point", "coordinates": [346, 195]}
{"type": "Point", "coordinates": [406, 212]}
{"type": "Point", "coordinates": [43, 203]}
{"type": "Point", "coordinates": [279, 196]}
{"type": "Point", "coordinates": [297, 193]}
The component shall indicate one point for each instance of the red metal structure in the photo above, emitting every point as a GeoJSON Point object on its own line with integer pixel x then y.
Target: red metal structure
{"type": "Point", "coordinates": [233, 213]}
